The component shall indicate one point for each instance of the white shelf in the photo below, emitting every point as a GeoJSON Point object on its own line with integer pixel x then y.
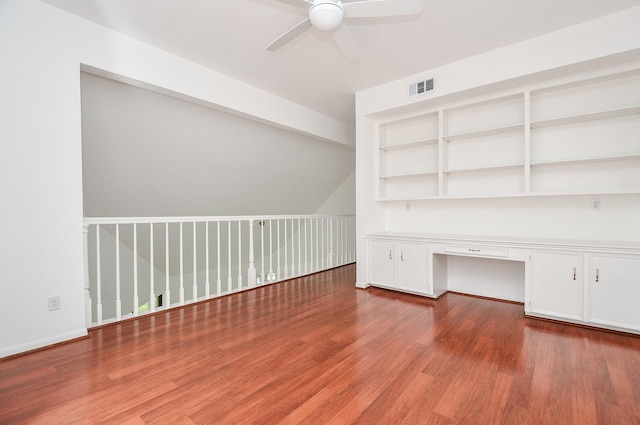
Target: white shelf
{"type": "Point", "coordinates": [585, 160]}
{"type": "Point", "coordinates": [591, 149]}
{"type": "Point", "coordinates": [488, 168]}
{"type": "Point", "coordinates": [404, 176]}
{"type": "Point", "coordinates": [417, 144]}
{"type": "Point", "coordinates": [592, 116]}
{"type": "Point", "coordinates": [512, 195]}
{"type": "Point", "coordinates": [485, 132]}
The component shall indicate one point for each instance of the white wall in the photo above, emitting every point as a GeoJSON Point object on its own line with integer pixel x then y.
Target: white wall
{"type": "Point", "coordinates": [149, 154]}
{"type": "Point", "coordinates": [613, 40]}
{"type": "Point", "coordinates": [342, 200]}
{"type": "Point", "coordinates": [42, 49]}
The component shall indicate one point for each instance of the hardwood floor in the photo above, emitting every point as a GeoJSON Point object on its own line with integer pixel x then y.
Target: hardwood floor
{"type": "Point", "coordinates": [316, 350]}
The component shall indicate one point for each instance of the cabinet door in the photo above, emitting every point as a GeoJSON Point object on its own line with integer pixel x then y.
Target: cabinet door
{"type": "Point", "coordinates": [412, 267]}
{"type": "Point", "coordinates": [556, 284]}
{"type": "Point", "coordinates": [381, 263]}
{"type": "Point", "coordinates": [615, 291]}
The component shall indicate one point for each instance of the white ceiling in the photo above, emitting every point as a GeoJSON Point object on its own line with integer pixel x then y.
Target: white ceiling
{"type": "Point", "coordinates": [230, 36]}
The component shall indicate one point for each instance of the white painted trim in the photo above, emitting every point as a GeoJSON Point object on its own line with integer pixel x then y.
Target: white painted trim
{"type": "Point", "coordinates": [42, 343]}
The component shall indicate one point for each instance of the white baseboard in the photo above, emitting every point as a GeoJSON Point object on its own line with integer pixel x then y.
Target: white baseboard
{"type": "Point", "coordinates": [17, 349]}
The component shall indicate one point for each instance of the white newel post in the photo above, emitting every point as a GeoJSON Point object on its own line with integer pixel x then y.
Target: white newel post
{"type": "Point", "coordinates": [87, 293]}
{"type": "Point", "coordinates": [251, 272]}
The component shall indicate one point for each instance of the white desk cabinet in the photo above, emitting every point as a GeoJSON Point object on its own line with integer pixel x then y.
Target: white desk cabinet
{"type": "Point", "coordinates": [412, 267]}
{"type": "Point", "coordinates": [584, 282]}
{"type": "Point", "coordinates": [556, 284]}
{"type": "Point", "coordinates": [397, 265]}
{"type": "Point", "coordinates": [614, 291]}
{"type": "Point", "coordinates": [381, 264]}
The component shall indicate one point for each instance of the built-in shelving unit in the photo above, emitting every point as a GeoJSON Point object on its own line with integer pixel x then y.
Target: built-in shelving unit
{"type": "Point", "coordinates": [577, 137]}
{"type": "Point", "coordinates": [408, 157]}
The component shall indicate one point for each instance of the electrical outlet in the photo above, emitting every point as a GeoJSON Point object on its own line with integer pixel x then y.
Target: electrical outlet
{"type": "Point", "coordinates": [54, 303]}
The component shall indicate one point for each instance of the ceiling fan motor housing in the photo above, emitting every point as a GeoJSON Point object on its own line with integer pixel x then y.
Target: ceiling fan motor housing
{"type": "Point", "coordinates": [326, 15]}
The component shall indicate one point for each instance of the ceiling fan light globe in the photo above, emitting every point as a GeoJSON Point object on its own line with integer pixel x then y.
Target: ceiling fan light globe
{"type": "Point", "coordinates": [326, 16]}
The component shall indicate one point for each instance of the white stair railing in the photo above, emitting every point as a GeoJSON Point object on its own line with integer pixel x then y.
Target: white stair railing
{"type": "Point", "coordinates": [136, 265]}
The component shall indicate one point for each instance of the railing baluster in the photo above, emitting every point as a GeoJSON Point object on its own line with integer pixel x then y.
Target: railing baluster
{"type": "Point", "coordinates": [345, 229]}
{"type": "Point", "coordinates": [87, 282]}
{"type": "Point", "coordinates": [229, 279]}
{"type": "Point", "coordinates": [167, 287]}
{"type": "Point", "coordinates": [340, 241]}
{"type": "Point", "coordinates": [345, 242]}
{"type": "Point", "coordinates": [318, 243]}
{"type": "Point", "coordinates": [98, 278]}
{"type": "Point", "coordinates": [152, 291]}
{"type": "Point", "coordinates": [239, 255]}
{"type": "Point", "coordinates": [324, 242]}
{"type": "Point", "coordinates": [251, 272]}
{"type": "Point", "coordinates": [262, 281]}
{"type": "Point", "coordinates": [293, 251]}
{"type": "Point", "coordinates": [195, 270]}
{"type": "Point", "coordinates": [207, 289]}
{"type": "Point", "coordinates": [306, 244]}
{"type": "Point", "coordinates": [135, 270]}
{"type": "Point", "coordinates": [331, 242]}
{"type": "Point", "coordinates": [219, 279]}
{"type": "Point", "coordinates": [311, 242]}
{"type": "Point", "coordinates": [352, 232]}
{"type": "Point", "coordinates": [299, 248]}
{"type": "Point", "coordinates": [270, 276]}
{"type": "Point", "coordinates": [181, 293]}
{"type": "Point", "coordinates": [118, 301]}
{"type": "Point", "coordinates": [278, 270]}
{"type": "Point", "coordinates": [286, 254]}
{"type": "Point", "coordinates": [339, 234]}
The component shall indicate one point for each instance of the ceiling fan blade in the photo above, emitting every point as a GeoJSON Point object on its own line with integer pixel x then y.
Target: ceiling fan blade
{"type": "Point", "coordinates": [376, 8]}
{"type": "Point", "coordinates": [343, 38]}
{"type": "Point", "coordinates": [289, 35]}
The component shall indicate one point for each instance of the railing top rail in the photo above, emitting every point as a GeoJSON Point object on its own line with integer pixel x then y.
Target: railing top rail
{"type": "Point", "coordinates": [198, 219]}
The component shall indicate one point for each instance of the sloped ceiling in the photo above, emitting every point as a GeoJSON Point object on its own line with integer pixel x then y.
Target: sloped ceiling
{"type": "Point", "coordinates": [230, 36]}
{"type": "Point", "coordinates": [150, 154]}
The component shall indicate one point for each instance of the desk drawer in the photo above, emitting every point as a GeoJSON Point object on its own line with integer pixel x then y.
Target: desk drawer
{"type": "Point", "coordinates": [479, 251]}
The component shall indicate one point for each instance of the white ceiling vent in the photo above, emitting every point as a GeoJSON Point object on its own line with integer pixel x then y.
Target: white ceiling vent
{"type": "Point", "coordinates": [421, 87]}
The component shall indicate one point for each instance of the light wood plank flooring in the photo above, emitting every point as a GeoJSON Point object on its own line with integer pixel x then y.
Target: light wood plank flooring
{"type": "Point", "coordinates": [315, 350]}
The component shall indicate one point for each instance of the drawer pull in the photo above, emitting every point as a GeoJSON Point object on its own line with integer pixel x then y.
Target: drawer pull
{"type": "Point", "coordinates": [574, 273]}
{"type": "Point", "coordinates": [597, 275]}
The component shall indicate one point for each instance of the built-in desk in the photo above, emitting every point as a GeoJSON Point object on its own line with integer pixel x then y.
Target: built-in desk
{"type": "Point", "coordinates": [586, 282]}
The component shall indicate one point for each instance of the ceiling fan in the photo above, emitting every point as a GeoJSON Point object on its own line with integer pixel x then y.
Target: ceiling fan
{"type": "Point", "coordinates": [327, 15]}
